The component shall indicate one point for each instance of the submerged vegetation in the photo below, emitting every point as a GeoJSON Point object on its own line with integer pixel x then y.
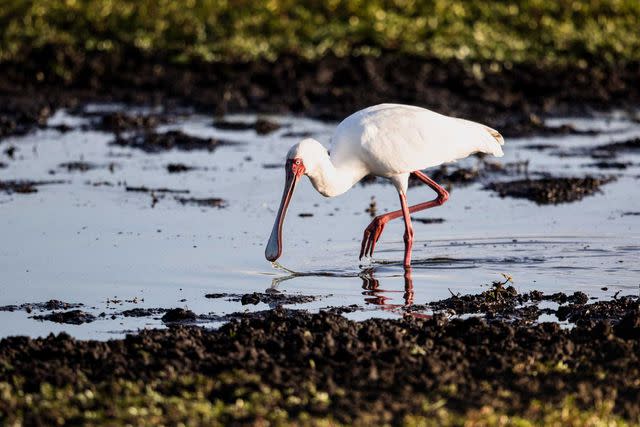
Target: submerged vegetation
{"type": "Point", "coordinates": [547, 33]}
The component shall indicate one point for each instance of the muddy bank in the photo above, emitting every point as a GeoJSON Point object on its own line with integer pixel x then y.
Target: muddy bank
{"type": "Point", "coordinates": [546, 191]}
{"type": "Point", "coordinates": [290, 366]}
{"type": "Point", "coordinates": [510, 99]}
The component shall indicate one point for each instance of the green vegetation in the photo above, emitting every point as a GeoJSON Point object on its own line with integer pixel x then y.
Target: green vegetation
{"type": "Point", "coordinates": [196, 401]}
{"type": "Point", "coordinates": [545, 32]}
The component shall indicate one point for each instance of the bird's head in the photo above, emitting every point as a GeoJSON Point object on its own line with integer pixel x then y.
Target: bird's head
{"type": "Point", "coordinates": [302, 159]}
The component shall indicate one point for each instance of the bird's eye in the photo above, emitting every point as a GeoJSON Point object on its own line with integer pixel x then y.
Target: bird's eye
{"type": "Point", "coordinates": [297, 162]}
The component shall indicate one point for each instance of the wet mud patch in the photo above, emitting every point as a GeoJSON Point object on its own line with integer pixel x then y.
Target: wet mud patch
{"type": "Point", "coordinates": [428, 220]}
{"type": "Point", "coordinates": [144, 189]}
{"type": "Point", "coordinates": [153, 142]}
{"type": "Point", "coordinates": [25, 186]}
{"type": "Point", "coordinates": [261, 126]}
{"type": "Point", "coordinates": [42, 306]}
{"type": "Point", "coordinates": [273, 298]}
{"type": "Point", "coordinates": [532, 124]}
{"type": "Point", "coordinates": [613, 149]}
{"type": "Point", "coordinates": [179, 168]}
{"type": "Point", "coordinates": [83, 166]}
{"type": "Point", "coordinates": [60, 311]}
{"type": "Point", "coordinates": [10, 151]}
{"type": "Point", "coordinates": [603, 164]}
{"type": "Point", "coordinates": [550, 190]}
{"type": "Point", "coordinates": [540, 147]}
{"type": "Point", "coordinates": [604, 151]}
{"type": "Point", "coordinates": [141, 312]}
{"type": "Point", "coordinates": [119, 122]}
{"type": "Point", "coordinates": [297, 134]}
{"type": "Point", "coordinates": [179, 315]}
{"type": "Point", "coordinates": [72, 317]}
{"type": "Point", "coordinates": [210, 202]}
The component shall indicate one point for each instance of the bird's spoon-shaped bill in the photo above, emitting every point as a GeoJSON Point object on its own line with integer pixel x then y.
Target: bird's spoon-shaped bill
{"type": "Point", "coordinates": [292, 175]}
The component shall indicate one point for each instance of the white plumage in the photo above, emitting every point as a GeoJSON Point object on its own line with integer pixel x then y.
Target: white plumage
{"type": "Point", "coordinates": [392, 139]}
{"type": "Point", "coordinates": [387, 140]}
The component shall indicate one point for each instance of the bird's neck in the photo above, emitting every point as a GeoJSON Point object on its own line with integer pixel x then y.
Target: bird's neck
{"type": "Point", "coordinates": [331, 181]}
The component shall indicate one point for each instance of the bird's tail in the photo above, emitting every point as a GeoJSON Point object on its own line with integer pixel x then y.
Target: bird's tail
{"type": "Point", "coordinates": [494, 142]}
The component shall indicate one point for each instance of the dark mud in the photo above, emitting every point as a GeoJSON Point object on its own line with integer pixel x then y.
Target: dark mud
{"type": "Point", "coordinates": [24, 186]}
{"type": "Point", "coordinates": [119, 122]}
{"type": "Point", "coordinates": [179, 315]}
{"type": "Point", "coordinates": [211, 202]}
{"type": "Point", "coordinates": [53, 304]}
{"type": "Point", "coordinates": [179, 168]}
{"type": "Point", "coordinates": [73, 317]}
{"type": "Point", "coordinates": [299, 366]}
{"type": "Point", "coordinates": [540, 147]}
{"type": "Point", "coordinates": [545, 191]}
{"type": "Point", "coordinates": [261, 126]}
{"type": "Point", "coordinates": [611, 150]}
{"type": "Point", "coordinates": [605, 152]}
{"type": "Point", "coordinates": [20, 114]}
{"type": "Point", "coordinates": [82, 166]}
{"type": "Point", "coordinates": [143, 189]}
{"type": "Point", "coordinates": [152, 142]}
{"type": "Point", "coordinates": [428, 220]}
{"type": "Point", "coordinates": [273, 298]}
{"type": "Point", "coordinates": [533, 124]}
{"type": "Point", "coordinates": [142, 312]}
{"type": "Point", "coordinates": [609, 165]}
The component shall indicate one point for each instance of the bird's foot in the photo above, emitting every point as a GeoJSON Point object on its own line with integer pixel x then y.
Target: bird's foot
{"type": "Point", "coordinates": [371, 235]}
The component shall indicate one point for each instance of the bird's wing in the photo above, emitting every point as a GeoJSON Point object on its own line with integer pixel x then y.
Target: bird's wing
{"type": "Point", "coordinates": [394, 139]}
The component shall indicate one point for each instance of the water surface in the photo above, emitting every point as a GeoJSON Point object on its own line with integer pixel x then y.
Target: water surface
{"type": "Point", "coordinates": [88, 240]}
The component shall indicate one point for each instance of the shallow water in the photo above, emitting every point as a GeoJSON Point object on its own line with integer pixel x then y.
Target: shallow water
{"type": "Point", "coordinates": [112, 250]}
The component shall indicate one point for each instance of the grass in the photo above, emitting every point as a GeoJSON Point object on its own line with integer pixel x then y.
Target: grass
{"type": "Point", "coordinates": [195, 401]}
{"type": "Point", "coordinates": [580, 33]}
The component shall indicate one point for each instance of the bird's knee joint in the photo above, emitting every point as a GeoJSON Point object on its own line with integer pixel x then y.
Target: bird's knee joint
{"type": "Point", "coordinates": [443, 197]}
{"type": "Point", "coordinates": [408, 237]}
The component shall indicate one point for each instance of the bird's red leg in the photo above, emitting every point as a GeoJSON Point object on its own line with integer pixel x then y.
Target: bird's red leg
{"type": "Point", "coordinates": [408, 230]}
{"type": "Point", "coordinates": [374, 230]}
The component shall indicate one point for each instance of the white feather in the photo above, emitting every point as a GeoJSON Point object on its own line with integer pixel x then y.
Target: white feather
{"type": "Point", "coordinates": [393, 139]}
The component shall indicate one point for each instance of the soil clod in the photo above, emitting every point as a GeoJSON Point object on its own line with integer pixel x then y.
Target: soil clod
{"type": "Point", "coordinates": [179, 315]}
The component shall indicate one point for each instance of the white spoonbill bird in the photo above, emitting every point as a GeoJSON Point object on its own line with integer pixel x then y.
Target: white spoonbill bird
{"type": "Point", "coordinates": [388, 140]}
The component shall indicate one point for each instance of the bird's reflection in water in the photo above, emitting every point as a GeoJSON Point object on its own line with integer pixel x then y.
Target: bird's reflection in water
{"type": "Point", "coordinates": [376, 295]}
{"type": "Point", "coordinates": [373, 293]}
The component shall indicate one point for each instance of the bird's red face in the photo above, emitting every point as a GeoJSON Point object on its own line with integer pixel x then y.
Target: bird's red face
{"type": "Point", "coordinates": [294, 169]}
